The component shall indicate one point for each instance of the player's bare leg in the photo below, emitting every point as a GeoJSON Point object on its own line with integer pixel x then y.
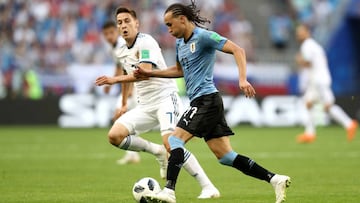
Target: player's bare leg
{"type": "Point", "coordinates": [130, 157]}
{"type": "Point", "coordinates": [193, 167]}
{"type": "Point", "coordinates": [222, 149]}
{"type": "Point", "coordinates": [119, 137]}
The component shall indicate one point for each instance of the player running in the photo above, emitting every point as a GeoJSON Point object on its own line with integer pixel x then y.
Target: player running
{"type": "Point", "coordinates": [158, 101]}
{"type": "Point", "coordinates": [195, 55]}
{"type": "Point", "coordinates": [126, 100]}
{"type": "Point", "coordinates": [317, 87]}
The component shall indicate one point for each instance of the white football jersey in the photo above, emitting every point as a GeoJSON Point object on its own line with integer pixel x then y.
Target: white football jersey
{"type": "Point", "coordinates": [146, 50]}
{"type": "Point", "coordinates": [319, 73]}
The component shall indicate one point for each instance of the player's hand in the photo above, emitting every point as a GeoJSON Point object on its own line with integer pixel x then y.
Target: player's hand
{"type": "Point", "coordinates": [141, 73]}
{"type": "Point", "coordinates": [107, 89]}
{"type": "Point", "coordinates": [299, 60]}
{"type": "Point", "coordinates": [104, 80]}
{"type": "Point", "coordinates": [119, 113]}
{"type": "Point", "coordinates": [247, 88]}
{"type": "Point", "coordinates": [123, 110]}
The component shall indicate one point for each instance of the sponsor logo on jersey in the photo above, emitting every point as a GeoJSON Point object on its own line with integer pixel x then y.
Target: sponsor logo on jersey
{"type": "Point", "coordinates": [192, 47]}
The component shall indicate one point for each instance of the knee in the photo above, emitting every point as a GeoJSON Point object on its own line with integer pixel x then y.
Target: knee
{"type": "Point", "coordinates": [115, 138]}
{"type": "Point", "coordinates": [167, 146]}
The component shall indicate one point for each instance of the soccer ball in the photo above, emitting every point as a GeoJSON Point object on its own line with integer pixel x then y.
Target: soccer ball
{"type": "Point", "coordinates": [143, 187]}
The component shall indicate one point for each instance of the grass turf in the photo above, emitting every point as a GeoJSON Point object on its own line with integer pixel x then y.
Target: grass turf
{"type": "Point", "coordinates": [48, 164]}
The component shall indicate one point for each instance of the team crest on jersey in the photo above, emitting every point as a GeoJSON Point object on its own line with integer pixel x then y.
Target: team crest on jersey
{"type": "Point", "coordinates": [137, 55]}
{"type": "Point", "coordinates": [192, 47]}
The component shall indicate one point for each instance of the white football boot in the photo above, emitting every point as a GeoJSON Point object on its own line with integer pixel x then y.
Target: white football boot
{"type": "Point", "coordinates": [164, 196]}
{"type": "Point", "coordinates": [280, 183]}
{"type": "Point", "coordinates": [130, 157]}
{"type": "Point", "coordinates": [209, 192]}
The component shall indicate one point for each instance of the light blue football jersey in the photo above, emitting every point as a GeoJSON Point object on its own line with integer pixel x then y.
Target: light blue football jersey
{"type": "Point", "coordinates": [197, 58]}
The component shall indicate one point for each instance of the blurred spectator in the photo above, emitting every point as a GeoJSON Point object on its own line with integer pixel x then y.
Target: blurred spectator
{"type": "Point", "coordinates": [241, 32]}
{"type": "Point", "coordinates": [313, 12]}
{"type": "Point", "coordinates": [322, 9]}
{"type": "Point", "coordinates": [24, 34]}
{"type": "Point", "coordinates": [40, 10]}
{"type": "Point", "coordinates": [280, 30]}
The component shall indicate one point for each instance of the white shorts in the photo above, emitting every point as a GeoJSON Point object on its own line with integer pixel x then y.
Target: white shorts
{"type": "Point", "coordinates": [319, 93]}
{"type": "Point", "coordinates": [144, 118]}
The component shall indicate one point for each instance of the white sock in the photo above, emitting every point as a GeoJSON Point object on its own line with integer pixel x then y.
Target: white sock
{"type": "Point", "coordinates": [192, 166]}
{"type": "Point", "coordinates": [339, 116]}
{"type": "Point", "coordinates": [136, 143]}
{"type": "Point", "coordinates": [308, 122]}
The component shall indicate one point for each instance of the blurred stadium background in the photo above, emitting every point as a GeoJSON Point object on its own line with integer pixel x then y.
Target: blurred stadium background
{"type": "Point", "coordinates": [52, 50]}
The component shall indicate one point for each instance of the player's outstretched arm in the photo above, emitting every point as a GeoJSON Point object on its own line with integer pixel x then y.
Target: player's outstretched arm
{"type": "Point", "coordinates": [240, 59]}
{"type": "Point", "coordinates": [106, 80]}
{"type": "Point", "coordinates": [118, 71]}
{"type": "Point", "coordinates": [171, 72]}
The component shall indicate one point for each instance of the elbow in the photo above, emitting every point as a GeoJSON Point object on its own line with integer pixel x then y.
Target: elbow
{"type": "Point", "coordinates": [241, 51]}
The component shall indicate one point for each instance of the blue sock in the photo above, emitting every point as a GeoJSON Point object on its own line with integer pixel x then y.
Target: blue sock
{"type": "Point", "coordinates": [175, 142]}
{"type": "Point", "coordinates": [228, 159]}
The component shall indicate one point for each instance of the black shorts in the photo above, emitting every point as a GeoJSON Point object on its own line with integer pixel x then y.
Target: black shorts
{"type": "Point", "coordinates": [205, 118]}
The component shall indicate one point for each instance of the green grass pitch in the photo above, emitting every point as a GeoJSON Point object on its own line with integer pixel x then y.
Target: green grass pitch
{"type": "Point", "coordinates": [48, 164]}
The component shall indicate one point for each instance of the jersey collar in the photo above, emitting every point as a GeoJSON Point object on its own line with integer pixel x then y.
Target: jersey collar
{"type": "Point", "coordinates": [132, 45]}
{"type": "Point", "coordinates": [186, 41]}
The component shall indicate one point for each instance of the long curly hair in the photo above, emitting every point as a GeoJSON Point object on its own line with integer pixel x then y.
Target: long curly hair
{"type": "Point", "coordinates": [190, 11]}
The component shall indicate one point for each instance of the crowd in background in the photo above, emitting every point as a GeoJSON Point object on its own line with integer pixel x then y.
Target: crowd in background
{"type": "Point", "coordinates": [45, 36]}
{"type": "Point", "coordinates": [41, 38]}
{"type": "Point", "coordinates": [310, 12]}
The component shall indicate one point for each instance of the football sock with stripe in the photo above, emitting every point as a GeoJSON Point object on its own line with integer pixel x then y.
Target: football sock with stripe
{"type": "Point", "coordinates": [136, 143]}
{"type": "Point", "coordinates": [246, 165]}
{"type": "Point", "coordinates": [193, 167]}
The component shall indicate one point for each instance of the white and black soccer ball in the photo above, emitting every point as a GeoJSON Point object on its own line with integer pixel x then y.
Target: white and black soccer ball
{"type": "Point", "coordinates": [143, 187]}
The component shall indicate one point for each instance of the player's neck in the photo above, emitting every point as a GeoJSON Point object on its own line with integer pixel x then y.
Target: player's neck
{"type": "Point", "coordinates": [188, 32]}
{"type": "Point", "coordinates": [131, 41]}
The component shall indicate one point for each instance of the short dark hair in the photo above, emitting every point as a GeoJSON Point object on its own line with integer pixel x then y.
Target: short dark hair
{"type": "Point", "coordinates": [125, 10]}
{"type": "Point", "coordinates": [189, 11]}
{"type": "Point", "coordinates": [109, 24]}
